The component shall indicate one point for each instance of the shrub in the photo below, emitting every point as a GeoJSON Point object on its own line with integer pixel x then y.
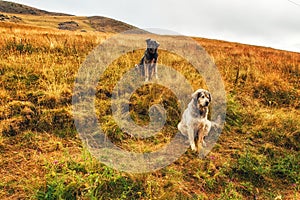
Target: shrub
{"type": "Point", "coordinates": [250, 168]}
{"type": "Point", "coordinates": [287, 168]}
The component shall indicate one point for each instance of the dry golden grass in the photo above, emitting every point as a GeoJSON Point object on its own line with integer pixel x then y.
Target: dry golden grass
{"type": "Point", "coordinates": [256, 155]}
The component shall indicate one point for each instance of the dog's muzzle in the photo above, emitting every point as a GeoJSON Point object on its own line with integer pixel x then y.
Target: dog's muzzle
{"type": "Point", "coordinates": [151, 50]}
{"type": "Point", "coordinates": [206, 103]}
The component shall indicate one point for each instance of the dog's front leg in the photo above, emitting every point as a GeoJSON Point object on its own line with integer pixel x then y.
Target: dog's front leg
{"type": "Point", "coordinates": [199, 138]}
{"type": "Point", "coordinates": [151, 68]}
{"type": "Point", "coordinates": [155, 69]}
{"type": "Point", "coordinates": [192, 138]}
{"type": "Point", "coordinates": [206, 130]}
{"type": "Point", "coordinates": [147, 69]}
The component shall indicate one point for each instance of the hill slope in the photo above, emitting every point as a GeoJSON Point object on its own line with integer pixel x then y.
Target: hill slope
{"type": "Point", "coordinates": [256, 157]}
{"type": "Point", "coordinates": [28, 15]}
{"type": "Point", "coordinates": [15, 8]}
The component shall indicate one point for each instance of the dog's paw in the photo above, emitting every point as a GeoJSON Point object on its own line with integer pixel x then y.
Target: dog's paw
{"type": "Point", "coordinates": [218, 120]}
{"type": "Point", "coordinates": [204, 144]}
{"type": "Point", "coordinates": [193, 147]}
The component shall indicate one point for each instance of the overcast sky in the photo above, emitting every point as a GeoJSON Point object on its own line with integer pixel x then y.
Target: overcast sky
{"type": "Point", "coordinates": [272, 23]}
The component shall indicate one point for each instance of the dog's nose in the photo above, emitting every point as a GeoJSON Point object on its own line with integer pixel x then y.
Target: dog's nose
{"type": "Point", "coordinates": [206, 103]}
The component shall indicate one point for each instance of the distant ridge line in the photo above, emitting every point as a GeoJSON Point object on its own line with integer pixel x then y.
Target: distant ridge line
{"type": "Point", "coordinates": [16, 8]}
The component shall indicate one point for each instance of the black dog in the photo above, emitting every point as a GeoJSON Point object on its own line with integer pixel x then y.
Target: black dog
{"type": "Point", "coordinates": [147, 64]}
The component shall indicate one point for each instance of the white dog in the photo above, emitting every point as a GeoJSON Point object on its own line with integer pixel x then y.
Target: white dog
{"type": "Point", "coordinates": [194, 122]}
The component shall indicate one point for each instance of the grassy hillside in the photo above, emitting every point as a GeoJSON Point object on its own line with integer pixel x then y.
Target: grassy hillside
{"type": "Point", "coordinates": [15, 8]}
{"type": "Point", "coordinates": [42, 157]}
{"type": "Point", "coordinates": [13, 12]}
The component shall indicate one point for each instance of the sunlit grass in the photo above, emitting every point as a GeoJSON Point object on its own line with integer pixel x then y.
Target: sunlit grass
{"type": "Point", "coordinates": [42, 156]}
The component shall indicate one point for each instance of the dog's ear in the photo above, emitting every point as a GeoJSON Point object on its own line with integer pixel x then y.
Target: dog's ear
{"type": "Point", "coordinates": [148, 40]}
{"type": "Point", "coordinates": [195, 95]}
{"type": "Point", "coordinates": [209, 96]}
{"type": "Point", "coordinates": [157, 44]}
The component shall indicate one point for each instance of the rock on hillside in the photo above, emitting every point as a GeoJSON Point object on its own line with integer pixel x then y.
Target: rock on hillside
{"type": "Point", "coordinates": [9, 18]}
{"type": "Point", "coordinates": [69, 25]}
